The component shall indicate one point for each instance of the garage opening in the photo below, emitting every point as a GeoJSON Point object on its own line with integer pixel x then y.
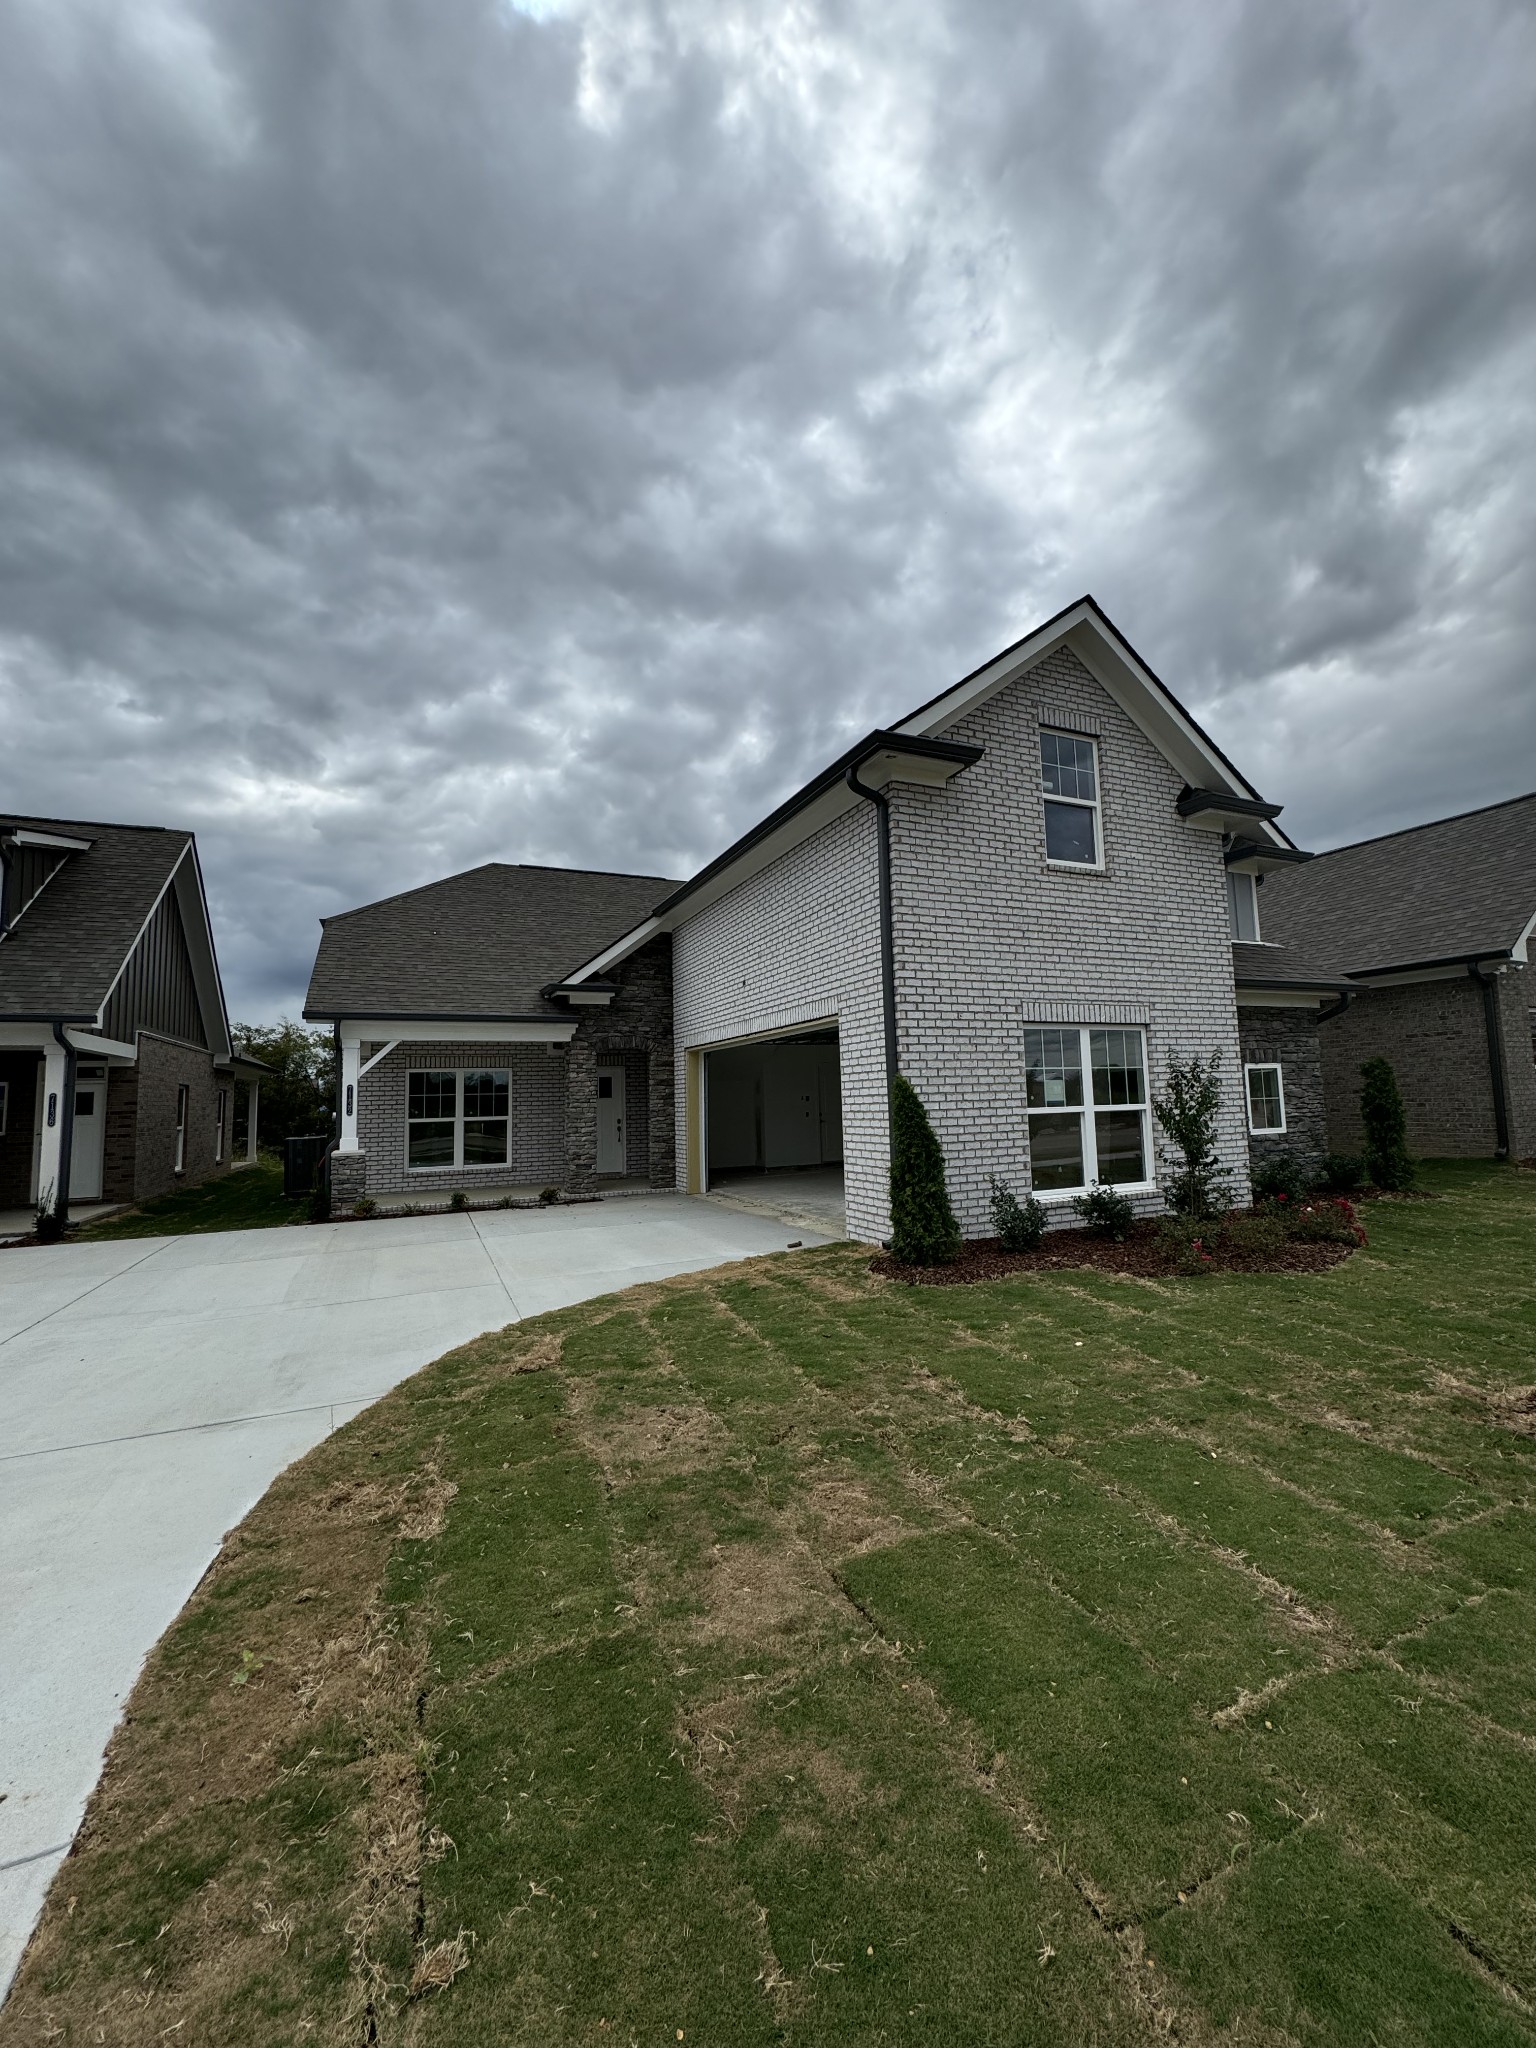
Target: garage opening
{"type": "Point", "coordinates": [774, 1127]}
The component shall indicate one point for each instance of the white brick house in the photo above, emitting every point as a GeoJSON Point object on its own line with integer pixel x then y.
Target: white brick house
{"type": "Point", "coordinates": [1027, 897]}
{"type": "Point", "coordinates": [1068, 858]}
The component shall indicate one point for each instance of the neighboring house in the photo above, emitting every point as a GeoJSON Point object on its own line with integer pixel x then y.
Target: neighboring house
{"type": "Point", "coordinates": [1432, 927]}
{"type": "Point", "coordinates": [116, 1072]}
{"type": "Point", "coordinates": [1022, 897]}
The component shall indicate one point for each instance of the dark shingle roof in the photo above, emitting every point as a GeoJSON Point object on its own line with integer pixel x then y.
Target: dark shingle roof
{"type": "Point", "coordinates": [481, 944]}
{"type": "Point", "coordinates": [64, 952]}
{"type": "Point", "coordinates": [1445, 891]}
{"type": "Point", "coordinates": [1272, 966]}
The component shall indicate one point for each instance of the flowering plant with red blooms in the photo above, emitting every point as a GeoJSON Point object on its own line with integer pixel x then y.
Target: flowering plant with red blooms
{"type": "Point", "coordinates": [1337, 1211]}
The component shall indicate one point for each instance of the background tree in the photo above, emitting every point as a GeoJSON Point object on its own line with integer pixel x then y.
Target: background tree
{"type": "Point", "coordinates": [923, 1227]}
{"type": "Point", "coordinates": [1385, 1123]}
{"type": "Point", "coordinates": [1198, 1184]}
{"type": "Point", "coordinates": [298, 1096]}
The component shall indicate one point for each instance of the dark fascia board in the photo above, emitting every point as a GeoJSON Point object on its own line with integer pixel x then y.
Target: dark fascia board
{"type": "Point", "coordinates": [555, 991]}
{"type": "Point", "coordinates": [1253, 849]}
{"type": "Point", "coordinates": [429, 1016]}
{"type": "Point", "coordinates": [1339, 986]}
{"type": "Point", "coordinates": [877, 742]}
{"type": "Point", "coordinates": [47, 1017]}
{"type": "Point", "coordinates": [1467, 960]}
{"type": "Point", "coordinates": [1194, 801]}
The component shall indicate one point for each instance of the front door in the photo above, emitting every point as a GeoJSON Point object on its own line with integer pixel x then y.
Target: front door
{"type": "Point", "coordinates": [90, 1134]}
{"type": "Point", "coordinates": [610, 1119]}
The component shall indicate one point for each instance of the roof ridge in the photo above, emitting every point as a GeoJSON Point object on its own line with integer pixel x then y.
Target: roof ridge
{"type": "Point", "coordinates": [92, 824]}
{"type": "Point", "coordinates": [1428, 825]}
{"type": "Point", "coordinates": [485, 867]}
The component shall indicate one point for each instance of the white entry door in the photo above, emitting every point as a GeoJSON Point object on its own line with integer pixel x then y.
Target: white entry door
{"type": "Point", "coordinates": [90, 1134]}
{"type": "Point", "coordinates": [610, 1119]}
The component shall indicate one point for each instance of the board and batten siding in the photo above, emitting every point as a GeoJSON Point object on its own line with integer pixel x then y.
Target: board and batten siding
{"type": "Point", "coordinates": [793, 945]}
{"type": "Point", "coordinates": [990, 939]}
{"type": "Point", "coordinates": [157, 990]}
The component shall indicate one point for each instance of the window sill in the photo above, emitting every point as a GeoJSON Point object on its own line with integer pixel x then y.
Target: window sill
{"type": "Point", "coordinates": [1061, 1196]}
{"type": "Point", "coordinates": [1274, 1131]}
{"type": "Point", "coordinates": [1076, 867]}
{"type": "Point", "coordinates": [481, 1166]}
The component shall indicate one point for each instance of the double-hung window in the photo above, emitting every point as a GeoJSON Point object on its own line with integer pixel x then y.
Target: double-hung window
{"type": "Point", "coordinates": [1266, 1098]}
{"type": "Point", "coordinates": [457, 1118]}
{"type": "Point", "coordinates": [1069, 777]}
{"type": "Point", "coordinates": [1087, 1100]}
{"type": "Point", "coordinates": [183, 1098]}
{"type": "Point", "coordinates": [1243, 907]}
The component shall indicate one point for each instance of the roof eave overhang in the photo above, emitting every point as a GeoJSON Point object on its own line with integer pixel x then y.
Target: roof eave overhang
{"type": "Point", "coordinates": [1491, 955]}
{"type": "Point", "coordinates": [589, 995]}
{"type": "Point", "coordinates": [882, 757]}
{"type": "Point", "coordinates": [1248, 857]}
{"type": "Point", "coordinates": [336, 1013]}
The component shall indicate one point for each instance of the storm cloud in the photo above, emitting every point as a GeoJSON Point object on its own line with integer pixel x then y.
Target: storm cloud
{"type": "Point", "coordinates": [433, 431]}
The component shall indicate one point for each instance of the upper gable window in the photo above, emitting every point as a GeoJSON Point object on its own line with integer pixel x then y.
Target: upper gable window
{"type": "Point", "coordinates": [1243, 907]}
{"type": "Point", "coordinates": [1069, 776]}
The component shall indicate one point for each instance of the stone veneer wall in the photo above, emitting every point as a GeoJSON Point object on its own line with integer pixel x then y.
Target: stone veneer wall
{"type": "Point", "coordinates": [635, 1030]}
{"type": "Point", "coordinates": [989, 938]}
{"type": "Point", "coordinates": [794, 944]}
{"type": "Point", "coordinates": [1288, 1036]}
{"type": "Point", "coordinates": [1435, 1035]}
{"type": "Point", "coordinates": [536, 1125]}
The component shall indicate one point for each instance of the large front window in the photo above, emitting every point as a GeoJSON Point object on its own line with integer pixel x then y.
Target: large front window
{"type": "Point", "coordinates": [1087, 1099]}
{"type": "Point", "coordinates": [457, 1118]}
{"type": "Point", "coordinates": [1069, 776]}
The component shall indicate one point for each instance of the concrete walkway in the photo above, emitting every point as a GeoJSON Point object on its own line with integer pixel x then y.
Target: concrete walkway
{"type": "Point", "coordinates": [152, 1388]}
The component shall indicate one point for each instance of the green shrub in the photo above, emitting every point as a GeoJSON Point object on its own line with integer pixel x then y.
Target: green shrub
{"type": "Point", "coordinates": [1280, 1179]}
{"type": "Point", "coordinates": [458, 1200]}
{"type": "Point", "coordinates": [1340, 1173]}
{"type": "Point", "coordinates": [1020, 1225]}
{"type": "Point", "coordinates": [923, 1227]}
{"type": "Point", "coordinates": [1106, 1213]}
{"type": "Point", "coordinates": [549, 1196]}
{"type": "Point", "coordinates": [1386, 1127]}
{"type": "Point", "coordinates": [1197, 1182]}
{"type": "Point", "coordinates": [1327, 1222]}
{"type": "Point", "coordinates": [365, 1206]}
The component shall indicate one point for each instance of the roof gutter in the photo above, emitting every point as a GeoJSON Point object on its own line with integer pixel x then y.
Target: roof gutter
{"type": "Point", "coordinates": [1337, 1009]}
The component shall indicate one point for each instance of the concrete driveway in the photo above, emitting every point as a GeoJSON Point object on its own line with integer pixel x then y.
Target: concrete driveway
{"type": "Point", "coordinates": [151, 1389]}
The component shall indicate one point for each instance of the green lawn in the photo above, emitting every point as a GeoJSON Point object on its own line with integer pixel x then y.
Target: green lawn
{"type": "Point", "coordinates": [783, 1656]}
{"type": "Point", "coordinates": [249, 1198]}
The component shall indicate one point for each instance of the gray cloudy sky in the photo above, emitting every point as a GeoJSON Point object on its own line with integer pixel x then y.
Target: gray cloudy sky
{"type": "Point", "coordinates": [433, 432]}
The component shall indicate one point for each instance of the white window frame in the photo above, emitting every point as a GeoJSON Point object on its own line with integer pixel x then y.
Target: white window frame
{"type": "Point", "coordinates": [5, 1105]}
{"type": "Point", "coordinates": [220, 1120]}
{"type": "Point", "coordinates": [1086, 1111]}
{"type": "Point", "coordinates": [183, 1106]}
{"type": "Point", "coordinates": [457, 1164]}
{"type": "Point", "coordinates": [1264, 1067]}
{"type": "Point", "coordinates": [1236, 876]}
{"type": "Point", "coordinates": [1096, 806]}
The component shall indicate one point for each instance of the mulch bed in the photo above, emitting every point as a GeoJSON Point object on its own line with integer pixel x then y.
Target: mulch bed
{"type": "Point", "coordinates": [1146, 1254]}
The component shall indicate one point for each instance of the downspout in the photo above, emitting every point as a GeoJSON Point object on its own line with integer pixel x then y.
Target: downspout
{"type": "Point", "coordinates": [1494, 1026]}
{"type": "Point", "coordinates": [1346, 997]}
{"type": "Point", "coordinates": [66, 1127]}
{"type": "Point", "coordinates": [882, 804]}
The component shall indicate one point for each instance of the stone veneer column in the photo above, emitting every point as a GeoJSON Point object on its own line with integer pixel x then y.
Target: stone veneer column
{"type": "Point", "coordinates": [580, 1113]}
{"type": "Point", "coordinates": [349, 1178]}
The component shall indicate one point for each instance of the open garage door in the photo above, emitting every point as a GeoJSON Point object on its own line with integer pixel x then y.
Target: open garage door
{"type": "Point", "coordinates": [774, 1124]}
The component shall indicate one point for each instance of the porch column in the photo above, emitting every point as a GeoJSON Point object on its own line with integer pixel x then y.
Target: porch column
{"type": "Point", "coordinates": [51, 1152]}
{"type": "Point", "coordinates": [580, 1113]}
{"type": "Point", "coordinates": [252, 1108]}
{"type": "Point", "coordinates": [351, 1054]}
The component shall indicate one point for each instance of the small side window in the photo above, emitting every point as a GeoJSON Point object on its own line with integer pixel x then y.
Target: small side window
{"type": "Point", "coordinates": [183, 1096]}
{"type": "Point", "coordinates": [1243, 907]}
{"type": "Point", "coordinates": [1266, 1100]}
{"type": "Point", "coordinates": [5, 1104]}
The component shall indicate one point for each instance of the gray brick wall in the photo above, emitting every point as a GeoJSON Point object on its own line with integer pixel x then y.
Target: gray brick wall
{"type": "Point", "coordinates": [990, 939]}
{"type": "Point", "coordinates": [164, 1064]}
{"type": "Point", "coordinates": [1435, 1035]}
{"type": "Point", "coordinates": [536, 1134]}
{"type": "Point", "coordinates": [1291, 1038]}
{"type": "Point", "coordinates": [797, 942]}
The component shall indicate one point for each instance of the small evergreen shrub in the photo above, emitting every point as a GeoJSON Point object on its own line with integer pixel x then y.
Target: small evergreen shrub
{"type": "Point", "coordinates": [1385, 1120]}
{"type": "Point", "coordinates": [1280, 1180]}
{"type": "Point", "coordinates": [923, 1227]}
{"type": "Point", "coordinates": [1197, 1181]}
{"type": "Point", "coordinates": [506, 1202]}
{"type": "Point", "coordinates": [365, 1206]}
{"type": "Point", "coordinates": [458, 1200]}
{"type": "Point", "coordinates": [1341, 1173]}
{"type": "Point", "coordinates": [549, 1196]}
{"type": "Point", "coordinates": [1106, 1213]}
{"type": "Point", "coordinates": [1020, 1225]}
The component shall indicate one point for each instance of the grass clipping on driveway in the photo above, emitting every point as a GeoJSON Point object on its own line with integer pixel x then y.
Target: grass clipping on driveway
{"type": "Point", "coordinates": [781, 1655]}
